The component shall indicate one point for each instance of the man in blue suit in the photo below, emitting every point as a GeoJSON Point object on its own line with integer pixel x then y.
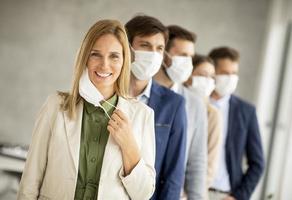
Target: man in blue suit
{"type": "Point", "coordinates": [241, 136]}
{"type": "Point", "coordinates": [148, 37]}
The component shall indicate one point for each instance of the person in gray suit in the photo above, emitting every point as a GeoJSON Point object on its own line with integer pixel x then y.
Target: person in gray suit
{"type": "Point", "coordinates": [173, 73]}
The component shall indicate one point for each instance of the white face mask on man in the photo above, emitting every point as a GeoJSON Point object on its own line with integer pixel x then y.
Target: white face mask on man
{"type": "Point", "coordinates": [180, 69]}
{"type": "Point", "coordinates": [202, 85]}
{"type": "Point", "coordinates": [90, 93]}
{"type": "Point", "coordinates": [146, 64]}
{"type": "Point", "coordinates": [226, 84]}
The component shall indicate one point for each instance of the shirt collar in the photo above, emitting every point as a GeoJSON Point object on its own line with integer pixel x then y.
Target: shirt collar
{"type": "Point", "coordinates": [146, 92]}
{"type": "Point", "coordinates": [91, 108]}
{"type": "Point", "coordinates": [221, 102]}
{"type": "Point", "coordinates": [175, 87]}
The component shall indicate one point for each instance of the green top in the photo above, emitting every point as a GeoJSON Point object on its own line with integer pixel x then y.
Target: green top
{"type": "Point", "coordinates": [94, 136]}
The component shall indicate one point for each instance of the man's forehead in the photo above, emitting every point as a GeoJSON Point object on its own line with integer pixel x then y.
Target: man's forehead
{"type": "Point", "coordinates": [157, 38]}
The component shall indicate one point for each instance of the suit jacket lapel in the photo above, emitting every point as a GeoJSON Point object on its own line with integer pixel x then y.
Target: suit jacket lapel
{"type": "Point", "coordinates": [155, 96]}
{"type": "Point", "coordinates": [73, 131]}
{"type": "Point", "coordinates": [231, 122]}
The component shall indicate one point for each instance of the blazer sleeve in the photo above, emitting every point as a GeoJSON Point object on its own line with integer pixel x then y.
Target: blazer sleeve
{"type": "Point", "coordinates": [196, 169]}
{"type": "Point", "coordinates": [140, 183]}
{"type": "Point", "coordinates": [172, 174]}
{"type": "Point", "coordinates": [255, 159]}
{"type": "Point", "coordinates": [36, 161]}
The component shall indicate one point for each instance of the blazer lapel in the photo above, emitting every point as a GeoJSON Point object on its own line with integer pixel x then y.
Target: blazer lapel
{"type": "Point", "coordinates": [155, 96]}
{"type": "Point", "coordinates": [73, 131]}
{"type": "Point", "coordinates": [112, 151]}
{"type": "Point", "coordinates": [231, 122]}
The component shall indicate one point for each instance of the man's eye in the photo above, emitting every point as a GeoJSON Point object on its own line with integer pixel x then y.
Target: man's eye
{"type": "Point", "coordinates": [160, 48]}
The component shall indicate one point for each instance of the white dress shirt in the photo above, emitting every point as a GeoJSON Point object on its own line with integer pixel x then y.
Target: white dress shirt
{"type": "Point", "coordinates": [145, 95]}
{"type": "Point", "coordinates": [221, 179]}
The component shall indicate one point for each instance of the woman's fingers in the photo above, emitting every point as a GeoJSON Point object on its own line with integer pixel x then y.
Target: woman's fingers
{"type": "Point", "coordinates": [110, 129]}
{"type": "Point", "coordinates": [121, 115]}
{"type": "Point", "coordinates": [116, 117]}
{"type": "Point", "coordinates": [114, 124]}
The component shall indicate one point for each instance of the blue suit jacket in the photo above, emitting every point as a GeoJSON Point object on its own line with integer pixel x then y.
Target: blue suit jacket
{"type": "Point", "coordinates": [170, 132]}
{"type": "Point", "coordinates": [243, 138]}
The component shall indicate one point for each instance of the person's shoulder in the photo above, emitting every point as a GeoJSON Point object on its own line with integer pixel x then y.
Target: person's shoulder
{"type": "Point", "coordinates": [168, 94]}
{"type": "Point", "coordinates": [245, 105]}
{"type": "Point", "coordinates": [195, 99]}
{"type": "Point", "coordinates": [54, 101]}
{"type": "Point", "coordinates": [213, 112]}
{"type": "Point", "coordinates": [136, 105]}
{"type": "Point", "coordinates": [212, 109]}
{"type": "Point", "coordinates": [56, 97]}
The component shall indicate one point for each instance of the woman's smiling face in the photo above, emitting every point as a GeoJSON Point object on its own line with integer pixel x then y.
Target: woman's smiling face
{"type": "Point", "coordinates": [105, 63]}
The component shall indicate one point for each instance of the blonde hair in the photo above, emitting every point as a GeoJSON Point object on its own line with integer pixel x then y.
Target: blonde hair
{"type": "Point", "coordinates": [121, 86]}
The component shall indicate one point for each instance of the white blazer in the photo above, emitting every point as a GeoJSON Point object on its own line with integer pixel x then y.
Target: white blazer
{"type": "Point", "coordinates": [51, 168]}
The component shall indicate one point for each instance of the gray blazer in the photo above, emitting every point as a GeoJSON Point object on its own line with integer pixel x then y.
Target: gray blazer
{"type": "Point", "coordinates": [196, 151]}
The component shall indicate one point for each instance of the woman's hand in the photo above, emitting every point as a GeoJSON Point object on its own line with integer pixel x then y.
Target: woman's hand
{"type": "Point", "coordinates": [121, 130]}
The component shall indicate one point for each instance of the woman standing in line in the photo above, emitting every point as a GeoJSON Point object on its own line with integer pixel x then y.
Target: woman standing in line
{"type": "Point", "coordinates": [93, 142]}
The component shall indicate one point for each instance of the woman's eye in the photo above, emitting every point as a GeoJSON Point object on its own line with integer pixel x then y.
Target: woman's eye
{"type": "Point", "coordinates": [95, 55]}
{"type": "Point", "coordinates": [115, 57]}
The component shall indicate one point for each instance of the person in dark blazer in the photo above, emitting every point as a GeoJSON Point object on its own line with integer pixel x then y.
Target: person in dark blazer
{"type": "Point", "coordinates": [241, 135]}
{"type": "Point", "coordinates": [148, 37]}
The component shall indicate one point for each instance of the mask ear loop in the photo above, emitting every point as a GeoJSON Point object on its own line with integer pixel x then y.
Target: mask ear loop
{"type": "Point", "coordinates": [105, 110]}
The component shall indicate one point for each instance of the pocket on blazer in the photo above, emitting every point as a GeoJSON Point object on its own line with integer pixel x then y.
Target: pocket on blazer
{"type": "Point", "coordinates": [162, 125]}
{"type": "Point", "coordinates": [162, 133]}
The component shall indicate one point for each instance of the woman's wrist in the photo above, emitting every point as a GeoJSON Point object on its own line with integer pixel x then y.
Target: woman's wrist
{"type": "Point", "coordinates": [131, 157]}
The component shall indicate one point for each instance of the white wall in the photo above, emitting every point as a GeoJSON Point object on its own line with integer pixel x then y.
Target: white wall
{"type": "Point", "coordinates": [39, 40]}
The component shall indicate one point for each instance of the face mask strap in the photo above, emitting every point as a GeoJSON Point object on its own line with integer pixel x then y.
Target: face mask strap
{"type": "Point", "coordinates": [110, 103]}
{"type": "Point", "coordinates": [105, 110]}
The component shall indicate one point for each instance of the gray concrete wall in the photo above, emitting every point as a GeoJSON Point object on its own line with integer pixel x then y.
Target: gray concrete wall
{"type": "Point", "coordinates": [39, 40]}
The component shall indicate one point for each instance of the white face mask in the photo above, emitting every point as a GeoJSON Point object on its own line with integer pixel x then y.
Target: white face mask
{"type": "Point", "coordinates": [226, 84]}
{"type": "Point", "coordinates": [146, 64]}
{"type": "Point", "coordinates": [180, 69]}
{"type": "Point", "coordinates": [202, 85]}
{"type": "Point", "coordinates": [90, 93]}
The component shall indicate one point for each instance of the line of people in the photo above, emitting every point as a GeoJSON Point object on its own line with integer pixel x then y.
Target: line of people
{"type": "Point", "coordinates": [146, 118]}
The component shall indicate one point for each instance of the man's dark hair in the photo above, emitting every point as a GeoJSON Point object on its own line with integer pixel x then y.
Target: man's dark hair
{"type": "Point", "coordinates": [199, 59]}
{"type": "Point", "coordinates": [143, 25]}
{"type": "Point", "coordinates": [223, 53]}
{"type": "Point", "coordinates": [177, 32]}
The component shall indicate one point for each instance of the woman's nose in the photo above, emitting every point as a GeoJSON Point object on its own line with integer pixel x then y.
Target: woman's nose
{"type": "Point", "coordinates": [105, 63]}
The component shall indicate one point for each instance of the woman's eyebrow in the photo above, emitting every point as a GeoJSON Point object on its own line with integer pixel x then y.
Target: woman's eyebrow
{"type": "Point", "coordinates": [96, 50]}
{"type": "Point", "coordinates": [115, 52]}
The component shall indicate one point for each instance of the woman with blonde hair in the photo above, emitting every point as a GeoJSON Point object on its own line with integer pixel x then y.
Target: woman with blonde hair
{"type": "Point", "coordinates": [93, 142]}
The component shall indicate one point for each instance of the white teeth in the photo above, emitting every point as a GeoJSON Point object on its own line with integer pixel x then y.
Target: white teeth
{"type": "Point", "coordinates": [104, 75]}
